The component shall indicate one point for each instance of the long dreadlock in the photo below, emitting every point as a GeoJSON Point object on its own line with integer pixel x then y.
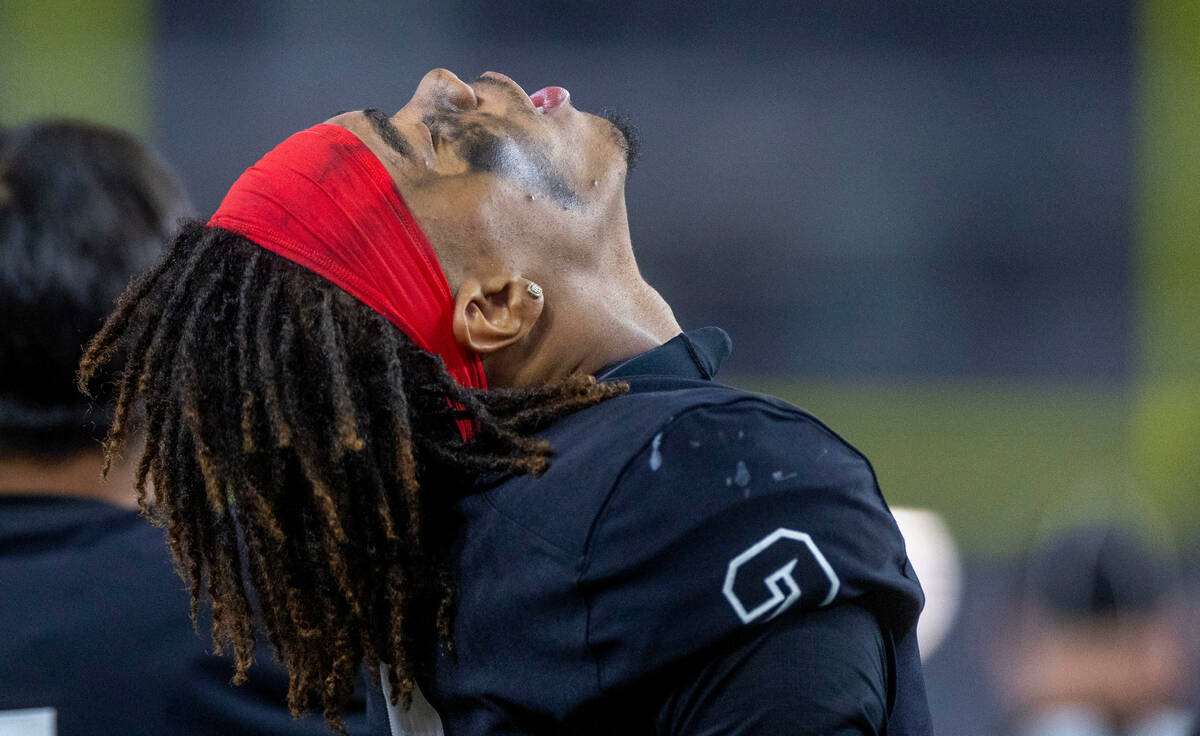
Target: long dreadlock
{"type": "Point", "coordinates": [296, 437]}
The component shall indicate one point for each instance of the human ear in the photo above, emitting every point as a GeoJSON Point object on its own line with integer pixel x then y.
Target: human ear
{"type": "Point", "coordinates": [492, 314]}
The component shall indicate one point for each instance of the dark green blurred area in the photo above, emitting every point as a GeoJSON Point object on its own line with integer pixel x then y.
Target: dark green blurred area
{"type": "Point", "coordinates": [1166, 420]}
{"type": "Point", "coordinates": [73, 58]}
{"type": "Point", "coordinates": [1000, 459]}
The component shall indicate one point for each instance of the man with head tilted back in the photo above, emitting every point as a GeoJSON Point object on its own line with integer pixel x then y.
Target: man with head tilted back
{"type": "Point", "coordinates": [409, 387]}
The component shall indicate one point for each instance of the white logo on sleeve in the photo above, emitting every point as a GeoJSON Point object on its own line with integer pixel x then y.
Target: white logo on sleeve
{"type": "Point", "coordinates": [773, 561]}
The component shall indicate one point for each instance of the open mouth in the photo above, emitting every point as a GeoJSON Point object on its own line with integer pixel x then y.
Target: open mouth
{"type": "Point", "coordinates": [548, 99]}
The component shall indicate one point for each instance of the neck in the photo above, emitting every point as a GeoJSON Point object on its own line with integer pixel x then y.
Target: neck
{"type": "Point", "coordinates": [76, 475]}
{"type": "Point", "coordinates": [587, 324]}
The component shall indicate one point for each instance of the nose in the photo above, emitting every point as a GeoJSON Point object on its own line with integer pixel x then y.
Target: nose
{"type": "Point", "coordinates": [442, 85]}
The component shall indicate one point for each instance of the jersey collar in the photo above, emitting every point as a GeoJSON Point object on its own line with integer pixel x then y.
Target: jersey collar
{"type": "Point", "coordinates": [693, 354]}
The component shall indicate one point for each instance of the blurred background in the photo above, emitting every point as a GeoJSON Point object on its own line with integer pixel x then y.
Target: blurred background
{"type": "Point", "coordinates": [963, 234]}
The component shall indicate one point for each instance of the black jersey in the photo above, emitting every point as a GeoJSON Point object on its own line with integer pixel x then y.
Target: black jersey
{"type": "Point", "coordinates": [697, 559]}
{"type": "Point", "coordinates": [96, 637]}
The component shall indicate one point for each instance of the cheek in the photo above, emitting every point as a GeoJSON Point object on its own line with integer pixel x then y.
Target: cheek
{"type": "Point", "coordinates": [448, 221]}
{"type": "Point", "coordinates": [515, 220]}
{"type": "Point", "coordinates": [596, 157]}
{"type": "Point", "coordinates": [497, 221]}
{"type": "Point", "coordinates": [483, 216]}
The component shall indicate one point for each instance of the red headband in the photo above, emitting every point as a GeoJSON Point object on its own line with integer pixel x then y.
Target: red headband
{"type": "Point", "coordinates": [324, 201]}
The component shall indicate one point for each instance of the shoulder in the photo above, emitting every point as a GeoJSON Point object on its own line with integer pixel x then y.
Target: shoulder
{"type": "Point", "coordinates": [593, 450]}
{"type": "Point", "coordinates": [752, 442]}
{"type": "Point", "coordinates": [722, 457]}
{"type": "Point", "coordinates": [721, 438]}
{"type": "Point", "coordinates": [711, 419]}
{"type": "Point", "coordinates": [111, 620]}
{"type": "Point", "coordinates": [731, 514]}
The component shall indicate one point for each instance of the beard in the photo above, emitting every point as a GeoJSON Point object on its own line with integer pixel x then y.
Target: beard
{"type": "Point", "coordinates": [626, 134]}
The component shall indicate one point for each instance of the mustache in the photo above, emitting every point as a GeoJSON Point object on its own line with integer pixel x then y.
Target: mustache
{"type": "Point", "coordinates": [627, 133]}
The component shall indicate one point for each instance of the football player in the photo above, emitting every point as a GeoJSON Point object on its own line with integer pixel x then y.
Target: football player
{"type": "Point", "coordinates": [368, 382]}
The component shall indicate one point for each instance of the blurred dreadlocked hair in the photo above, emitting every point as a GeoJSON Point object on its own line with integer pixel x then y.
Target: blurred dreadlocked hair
{"type": "Point", "coordinates": [297, 437]}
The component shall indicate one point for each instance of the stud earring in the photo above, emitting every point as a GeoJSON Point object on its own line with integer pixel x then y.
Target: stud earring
{"type": "Point", "coordinates": [534, 290]}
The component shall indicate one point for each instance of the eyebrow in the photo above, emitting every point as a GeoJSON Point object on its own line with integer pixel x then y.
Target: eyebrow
{"type": "Point", "coordinates": [387, 130]}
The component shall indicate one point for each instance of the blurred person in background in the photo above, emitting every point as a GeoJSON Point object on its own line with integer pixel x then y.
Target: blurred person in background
{"type": "Point", "coordinates": [1098, 646]}
{"type": "Point", "coordinates": [375, 363]}
{"type": "Point", "coordinates": [93, 631]}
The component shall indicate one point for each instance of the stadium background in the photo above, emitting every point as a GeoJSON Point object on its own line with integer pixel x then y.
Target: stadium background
{"type": "Point", "coordinates": [963, 234]}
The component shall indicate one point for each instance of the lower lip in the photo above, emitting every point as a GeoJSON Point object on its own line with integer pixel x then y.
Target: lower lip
{"type": "Point", "coordinates": [549, 99]}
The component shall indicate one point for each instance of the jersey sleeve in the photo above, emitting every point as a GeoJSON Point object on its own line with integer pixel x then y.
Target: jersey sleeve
{"type": "Point", "coordinates": [821, 674]}
{"type": "Point", "coordinates": [732, 517]}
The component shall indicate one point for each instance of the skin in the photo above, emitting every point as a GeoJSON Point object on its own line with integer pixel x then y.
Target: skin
{"type": "Point", "coordinates": [1123, 667]}
{"type": "Point", "coordinates": [509, 196]}
{"type": "Point", "coordinates": [75, 475]}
